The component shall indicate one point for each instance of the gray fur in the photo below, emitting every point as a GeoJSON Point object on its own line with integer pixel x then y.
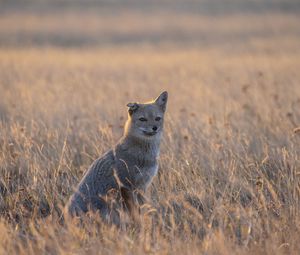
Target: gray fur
{"type": "Point", "coordinates": [129, 167]}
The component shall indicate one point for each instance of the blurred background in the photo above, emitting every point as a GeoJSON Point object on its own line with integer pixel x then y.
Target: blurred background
{"type": "Point", "coordinates": [228, 24]}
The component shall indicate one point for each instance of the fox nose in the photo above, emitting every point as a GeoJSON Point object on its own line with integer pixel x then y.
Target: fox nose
{"type": "Point", "coordinates": [154, 128]}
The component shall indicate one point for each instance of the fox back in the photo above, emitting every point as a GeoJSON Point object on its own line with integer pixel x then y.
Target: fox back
{"type": "Point", "coordinates": [129, 167]}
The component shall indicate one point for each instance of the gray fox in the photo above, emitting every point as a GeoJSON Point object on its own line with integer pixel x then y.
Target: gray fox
{"type": "Point", "coordinates": [127, 170]}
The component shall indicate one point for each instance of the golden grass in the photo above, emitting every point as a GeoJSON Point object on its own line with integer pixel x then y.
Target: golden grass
{"type": "Point", "coordinates": [229, 169]}
{"type": "Point", "coordinates": [229, 175]}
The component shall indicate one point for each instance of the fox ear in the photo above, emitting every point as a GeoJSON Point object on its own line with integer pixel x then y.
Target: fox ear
{"type": "Point", "coordinates": [132, 107]}
{"type": "Point", "coordinates": [162, 100]}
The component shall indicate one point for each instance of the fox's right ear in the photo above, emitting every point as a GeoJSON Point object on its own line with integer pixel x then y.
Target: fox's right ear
{"type": "Point", "coordinates": [162, 100]}
{"type": "Point", "coordinates": [132, 107]}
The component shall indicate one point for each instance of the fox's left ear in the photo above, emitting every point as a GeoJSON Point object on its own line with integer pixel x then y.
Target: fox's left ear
{"type": "Point", "coordinates": [132, 107]}
{"type": "Point", "coordinates": [162, 100]}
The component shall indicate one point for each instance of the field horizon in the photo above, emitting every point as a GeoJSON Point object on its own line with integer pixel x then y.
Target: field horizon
{"type": "Point", "coordinates": [229, 175]}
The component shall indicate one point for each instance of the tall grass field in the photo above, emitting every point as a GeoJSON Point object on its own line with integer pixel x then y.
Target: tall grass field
{"type": "Point", "coordinates": [229, 175]}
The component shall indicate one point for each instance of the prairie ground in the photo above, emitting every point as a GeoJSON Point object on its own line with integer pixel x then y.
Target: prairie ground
{"type": "Point", "coordinates": [229, 177]}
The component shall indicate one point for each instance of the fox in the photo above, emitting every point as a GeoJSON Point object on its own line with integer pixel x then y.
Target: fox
{"type": "Point", "coordinates": [125, 172]}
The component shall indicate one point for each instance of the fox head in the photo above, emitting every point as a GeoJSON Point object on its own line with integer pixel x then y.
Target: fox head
{"type": "Point", "coordinates": [146, 120]}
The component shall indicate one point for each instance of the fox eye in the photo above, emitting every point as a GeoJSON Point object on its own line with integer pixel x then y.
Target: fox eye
{"type": "Point", "coordinates": [157, 118]}
{"type": "Point", "coordinates": [142, 119]}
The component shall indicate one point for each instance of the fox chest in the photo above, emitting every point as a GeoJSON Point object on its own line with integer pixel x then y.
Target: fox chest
{"type": "Point", "coordinates": [137, 169]}
{"type": "Point", "coordinates": [143, 176]}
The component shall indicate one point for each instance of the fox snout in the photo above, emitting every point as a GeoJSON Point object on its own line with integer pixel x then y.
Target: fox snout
{"type": "Point", "coordinates": [150, 131]}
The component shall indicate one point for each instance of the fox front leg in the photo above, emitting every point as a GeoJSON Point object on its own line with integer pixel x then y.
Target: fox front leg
{"type": "Point", "coordinates": [130, 202]}
{"type": "Point", "coordinates": [141, 199]}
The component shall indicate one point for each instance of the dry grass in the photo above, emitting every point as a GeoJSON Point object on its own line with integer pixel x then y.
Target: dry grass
{"type": "Point", "coordinates": [229, 168]}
